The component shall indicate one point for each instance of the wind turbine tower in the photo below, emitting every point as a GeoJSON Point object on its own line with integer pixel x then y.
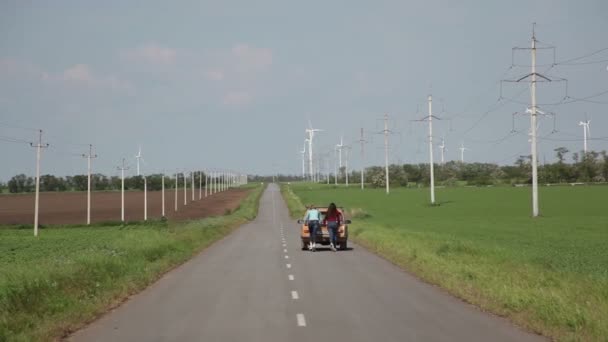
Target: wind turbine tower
{"type": "Point", "coordinates": [303, 152]}
{"type": "Point", "coordinates": [311, 134]}
{"type": "Point", "coordinates": [585, 125]}
{"type": "Point", "coordinates": [138, 157]}
{"type": "Point", "coordinates": [339, 148]}
{"type": "Point", "coordinates": [443, 149]}
{"type": "Point", "coordinates": [462, 149]}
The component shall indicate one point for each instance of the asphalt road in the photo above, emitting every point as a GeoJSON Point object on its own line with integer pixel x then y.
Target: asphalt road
{"type": "Point", "coordinates": [257, 285]}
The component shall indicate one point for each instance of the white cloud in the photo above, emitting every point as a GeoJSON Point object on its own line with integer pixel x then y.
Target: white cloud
{"type": "Point", "coordinates": [214, 75]}
{"type": "Point", "coordinates": [81, 75]}
{"type": "Point", "coordinates": [78, 73]}
{"type": "Point", "coordinates": [19, 69]}
{"type": "Point", "coordinates": [252, 58]}
{"type": "Point", "coordinates": [237, 98]}
{"type": "Point", "coordinates": [151, 53]}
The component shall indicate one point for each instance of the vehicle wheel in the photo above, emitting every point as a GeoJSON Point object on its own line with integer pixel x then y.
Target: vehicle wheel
{"type": "Point", "coordinates": [343, 245]}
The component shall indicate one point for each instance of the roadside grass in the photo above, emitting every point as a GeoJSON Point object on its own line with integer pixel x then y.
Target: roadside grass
{"type": "Point", "coordinates": [548, 274]}
{"type": "Point", "coordinates": [53, 284]}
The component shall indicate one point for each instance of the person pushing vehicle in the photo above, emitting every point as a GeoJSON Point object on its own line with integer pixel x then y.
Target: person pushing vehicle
{"type": "Point", "coordinates": [312, 221]}
{"type": "Point", "coordinates": [333, 220]}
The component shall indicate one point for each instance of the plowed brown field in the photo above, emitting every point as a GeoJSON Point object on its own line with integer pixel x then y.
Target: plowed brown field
{"type": "Point", "coordinates": [71, 207]}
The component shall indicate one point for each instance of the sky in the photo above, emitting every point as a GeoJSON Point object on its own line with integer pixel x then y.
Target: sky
{"type": "Point", "coordinates": [233, 84]}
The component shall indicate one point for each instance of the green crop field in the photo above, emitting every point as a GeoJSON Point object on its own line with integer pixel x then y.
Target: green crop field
{"type": "Point", "coordinates": [548, 274]}
{"type": "Point", "coordinates": [52, 284]}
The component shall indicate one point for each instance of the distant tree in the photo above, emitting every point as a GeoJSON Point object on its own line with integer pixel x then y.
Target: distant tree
{"type": "Point", "coordinates": [21, 183]}
{"type": "Point", "coordinates": [80, 182]}
{"type": "Point", "coordinates": [604, 169]}
{"type": "Point", "coordinates": [560, 153]}
{"type": "Point", "coordinates": [52, 183]}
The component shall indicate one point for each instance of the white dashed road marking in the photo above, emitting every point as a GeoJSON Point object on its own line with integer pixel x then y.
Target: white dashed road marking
{"type": "Point", "coordinates": [301, 320]}
{"type": "Point", "coordinates": [287, 257]}
{"type": "Point", "coordinates": [288, 265]}
{"type": "Point", "coordinates": [294, 295]}
{"type": "Point", "coordinates": [285, 250]}
{"type": "Point", "coordinates": [291, 277]}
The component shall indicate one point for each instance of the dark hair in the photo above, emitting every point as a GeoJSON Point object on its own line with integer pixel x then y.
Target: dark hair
{"type": "Point", "coordinates": [331, 209]}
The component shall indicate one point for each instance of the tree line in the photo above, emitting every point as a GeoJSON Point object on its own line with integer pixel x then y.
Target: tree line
{"type": "Point", "coordinates": [568, 168]}
{"type": "Point", "coordinates": [584, 167]}
{"type": "Point", "coordinates": [99, 182]}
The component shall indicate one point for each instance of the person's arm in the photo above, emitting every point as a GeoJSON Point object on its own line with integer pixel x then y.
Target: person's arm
{"type": "Point", "coordinates": [306, 217]}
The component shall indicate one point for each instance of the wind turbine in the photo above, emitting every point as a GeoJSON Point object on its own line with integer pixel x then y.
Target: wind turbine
{"type": "Point", "coordinates": [462, 149]}
{"type": "Point", "coordinates": [303, 152]}
{"type": "Point", "coordinates": [340, 147]}
{"type": "Point", "coordinates": [586, 133]}
{"type": "Point", "coordinates": [443, 149]}
{"type": "Point", "coordinates": [311, 134]}
{"type": "Point", "coordinates": [138, 157]}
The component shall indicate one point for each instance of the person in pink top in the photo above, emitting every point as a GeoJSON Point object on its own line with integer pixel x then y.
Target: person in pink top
{"type": "Point", "coordinates": [333, 220]}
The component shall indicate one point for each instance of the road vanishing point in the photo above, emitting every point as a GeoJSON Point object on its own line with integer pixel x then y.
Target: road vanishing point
{"type": "Point", "coordinates": [258, 285]}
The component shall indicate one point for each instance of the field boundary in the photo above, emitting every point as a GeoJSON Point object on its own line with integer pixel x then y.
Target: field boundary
{"type": "Point", "coordinates": [181, 242]}
{"type": "Point", "coordinates": [561, 305]}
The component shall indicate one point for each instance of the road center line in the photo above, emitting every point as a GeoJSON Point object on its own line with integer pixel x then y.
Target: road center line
{"type": "Point", "coordinates": [288, 265]}
{"type": "Point", "coordinates": [285, 250]}
{"type": "Point", "coordinates": [291, 277]}
{"type": "Point", "coordinates": [294, 295]}
{"type": "Point", "coordinates": [301, 320]}
{"type": "Point", "coordinates": [287, 257]}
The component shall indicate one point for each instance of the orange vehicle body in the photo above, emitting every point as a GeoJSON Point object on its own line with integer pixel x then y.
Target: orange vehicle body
{"type": "Point", "coordinates": [323, 233]}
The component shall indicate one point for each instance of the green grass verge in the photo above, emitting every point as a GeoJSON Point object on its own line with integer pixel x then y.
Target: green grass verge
{"type": "Point", "coordinates": [548, 274]}
{"type": "Point", "coordinates": [51, 285]}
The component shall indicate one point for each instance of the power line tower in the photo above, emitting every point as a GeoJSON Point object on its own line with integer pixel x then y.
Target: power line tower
{"type": "Point", "coordinates": [429, 119]}
{"type": "Point", "coordinates": [122, 170]}
{"type": "Point", "coordinates": [362, 142]}
{"type": "Point", "coordinates": [533, 78]}
{"type": "Point", "coordinates": [89, 157]}
{"type": "Point", "coordinates": [386, 133]}
{"type": "Point", "coordinates": [39, 146]}
{"type": "Point", "coordinates": [347, 149]}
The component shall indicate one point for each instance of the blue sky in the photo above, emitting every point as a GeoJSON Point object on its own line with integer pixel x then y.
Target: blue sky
{"type": "Point", "coordinates": [233, 84]}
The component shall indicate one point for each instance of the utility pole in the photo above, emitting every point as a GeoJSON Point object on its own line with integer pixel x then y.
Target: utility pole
{"type": "Point", "coordinates": [200, 185]}
{"type": "Point", "coordinates": [386, 131]}
{"type": "Point", "coordinates": [39, 146]}
{"type": "Point", "coordinates": [347, 148]}
{"type": "Point", "coordinates": [362, 141]}
{"type": "Point", "coordinates": [185, 189]}
{"type": "Point", "coordinates": [534, 111]}
{"type": "Point", "coordinates": [163, 194]}
{"type": "Point", "coordinates": [145, 198]}
{"type": "Point", "coordinates": [533, 130]}
{"type": "Point", "coordinates": [122, 169]}
{"type": "Point", "coordinates": [429, 119]}
{"type": "Point", "coordinates": [89, 157]}
{"type": "Point", "coordinates": [206, 182]}
{"type": "Point", "coordinates": [176, 186]}
{"type": "Point", "coordinates": [192, 184]}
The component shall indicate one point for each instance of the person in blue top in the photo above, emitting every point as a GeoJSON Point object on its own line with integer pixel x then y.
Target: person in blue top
{"type": "Point", "coordinates": [312, 221]}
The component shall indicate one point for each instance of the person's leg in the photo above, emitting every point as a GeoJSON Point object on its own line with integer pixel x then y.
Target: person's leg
{"type": "Point", "coordinates": [313, 226]}
{"type": "Point", "coordinates": [333, 230]}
